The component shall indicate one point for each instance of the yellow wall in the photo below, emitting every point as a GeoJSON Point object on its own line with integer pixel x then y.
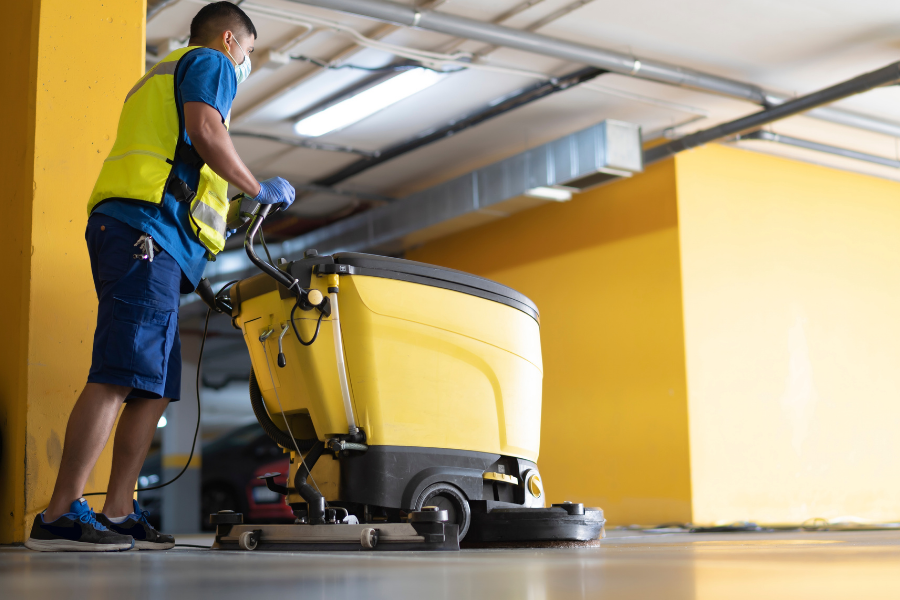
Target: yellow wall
{"type": "Point", "coordinates": [604, 271]}
{"type": "Point", "coordinates": [69, 65]}
{"type": "Point", "coordinates": [791, 277]}
{"type": "Point", "coordinates": [785, 277]}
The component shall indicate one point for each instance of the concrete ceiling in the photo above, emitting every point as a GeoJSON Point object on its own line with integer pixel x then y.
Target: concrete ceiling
{"type": "Point", "coordinates": [792, 46]}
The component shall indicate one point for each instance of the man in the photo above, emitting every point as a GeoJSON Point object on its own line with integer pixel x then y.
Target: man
{"type": "Point", "coordinates": [157, 214]}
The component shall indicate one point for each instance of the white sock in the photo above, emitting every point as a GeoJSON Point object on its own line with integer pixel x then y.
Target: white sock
{"type": "Point", "coordinates": [118, 520]}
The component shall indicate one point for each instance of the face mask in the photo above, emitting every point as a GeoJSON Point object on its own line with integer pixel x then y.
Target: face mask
{"type": "Point", "coordinates": [241, 71]}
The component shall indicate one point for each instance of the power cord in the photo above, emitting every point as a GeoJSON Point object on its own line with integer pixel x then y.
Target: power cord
{"type": "Point", "coordinates": [297, 333]}
{"type": "Point", "coordinates": [262, 238]}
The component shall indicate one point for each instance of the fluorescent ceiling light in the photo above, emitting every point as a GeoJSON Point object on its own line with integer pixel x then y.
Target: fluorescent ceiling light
{"type": "Point", "coordinates": [550, 193]}
{"type": "Point", "coordinates": [367, 103]}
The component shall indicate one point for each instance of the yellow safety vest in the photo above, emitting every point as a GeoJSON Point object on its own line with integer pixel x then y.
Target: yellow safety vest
{"type": "Point", "coordinates": [139, 166]}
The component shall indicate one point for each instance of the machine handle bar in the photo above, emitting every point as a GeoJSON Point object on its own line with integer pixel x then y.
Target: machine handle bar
{"type": "Point", "coordinates": [273, 272]}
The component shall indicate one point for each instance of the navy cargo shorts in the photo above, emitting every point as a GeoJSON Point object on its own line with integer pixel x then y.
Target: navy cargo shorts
{"type": "Point", "coordinates": [136, 342]}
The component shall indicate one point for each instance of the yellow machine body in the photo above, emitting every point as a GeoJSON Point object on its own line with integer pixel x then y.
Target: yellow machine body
{"type": "Point", "coordinates": [427, 366]}
{"type": "Point", "coordinates": [437, 423]}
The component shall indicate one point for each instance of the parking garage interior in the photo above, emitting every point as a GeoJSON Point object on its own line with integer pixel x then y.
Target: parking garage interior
{"type": "Point", "coordinates": [660, 238]}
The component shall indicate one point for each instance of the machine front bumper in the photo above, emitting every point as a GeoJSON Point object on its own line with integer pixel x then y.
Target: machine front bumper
{"type": "Point", "coordinates": [341, 537]}
{"type": "Point", "coordinates": [572, 523]}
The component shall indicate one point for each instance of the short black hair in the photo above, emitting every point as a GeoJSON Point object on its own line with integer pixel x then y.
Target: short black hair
{"type": "Point", "coordinates": [217, 17]}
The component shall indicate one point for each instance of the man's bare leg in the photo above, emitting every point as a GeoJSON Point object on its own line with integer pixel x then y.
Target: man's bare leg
{"type": "Point", "coordinates": [87, 432]}
{"type": "Point", "coordinates": [133, 436]}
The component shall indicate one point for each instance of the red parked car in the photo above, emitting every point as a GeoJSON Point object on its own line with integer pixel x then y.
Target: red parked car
{"type": "Point", "coordinates": [264, 505]}
{"type": "Point", "coordinates": [231, 464]}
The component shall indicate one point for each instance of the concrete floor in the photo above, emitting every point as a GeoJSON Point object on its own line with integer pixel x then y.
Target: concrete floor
{"type": "Point", "coordinates": [761, 566]}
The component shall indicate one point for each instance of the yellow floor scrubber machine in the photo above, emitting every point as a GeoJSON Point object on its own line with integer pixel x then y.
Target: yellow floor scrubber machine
{"type": "Point", "coordinates": [420, 386]}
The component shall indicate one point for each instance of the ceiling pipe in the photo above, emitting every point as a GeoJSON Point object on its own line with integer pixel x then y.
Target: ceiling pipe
{"type": "Point", "coordinates": [499, 35]}
{"type": "Point", "coordinates": [862, 83]}
{"type": "Point", "coordinates": [610, 60]}
{"type": "Point", "coordinates": [304, 143]}
{"type": "Point", "coordinates": [520, 98]}
{"type": "Point", "coordinates": [850, 119]}
{"type": "Point", "coordinates": [768, 136]}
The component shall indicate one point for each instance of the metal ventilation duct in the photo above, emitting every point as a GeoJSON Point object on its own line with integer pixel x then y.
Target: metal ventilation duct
{"type": "Point", "coordinates": [608, 150]}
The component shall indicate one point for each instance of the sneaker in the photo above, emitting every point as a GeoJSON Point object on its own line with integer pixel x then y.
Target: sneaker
{"type": "Point", "coordinates": [76, 531]}
{"type": "Point", "coordinates": [137, 526]}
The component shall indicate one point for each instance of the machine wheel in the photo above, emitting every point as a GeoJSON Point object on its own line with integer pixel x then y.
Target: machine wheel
{"type": "Point", "coordinates": [368, 538]}
{"type": "Point", "coordinates": [248, 541]}
{"type": "Point", "coordinates": [448, 497]}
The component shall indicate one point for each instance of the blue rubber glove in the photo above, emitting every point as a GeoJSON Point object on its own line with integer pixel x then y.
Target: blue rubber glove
{"type": "Point", "coordinates": [274, 191]}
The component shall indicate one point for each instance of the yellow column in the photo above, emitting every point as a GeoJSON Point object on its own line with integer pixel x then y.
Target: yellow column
{"type": "Point", "coordinates": [68, 67]}
{"type": "Point", "coordinates": [791, 288]}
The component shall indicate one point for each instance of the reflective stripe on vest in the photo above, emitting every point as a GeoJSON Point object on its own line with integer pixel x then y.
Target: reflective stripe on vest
{"type": "Point", "coordinates": [209, 209]}
{"type": "Point", "coordinates": [161, 68]}
{"type": "Point", "coordinates": [139, 166]}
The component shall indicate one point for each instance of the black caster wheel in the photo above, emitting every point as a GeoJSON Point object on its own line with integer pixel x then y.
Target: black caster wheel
{"type": "Point", "coordinates": [446, 496]}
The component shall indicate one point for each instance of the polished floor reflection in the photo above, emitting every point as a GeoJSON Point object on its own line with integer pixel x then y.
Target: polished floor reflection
{"type": "Point", "coordinates": [765, 566]}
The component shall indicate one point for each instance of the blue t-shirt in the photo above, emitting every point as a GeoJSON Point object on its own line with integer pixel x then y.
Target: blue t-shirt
{"type": "Point", "coordinates": [204, 75]}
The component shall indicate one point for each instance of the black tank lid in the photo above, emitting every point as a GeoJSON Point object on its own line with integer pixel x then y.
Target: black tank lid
{"type": "Point", "coordinates": [355, 263]}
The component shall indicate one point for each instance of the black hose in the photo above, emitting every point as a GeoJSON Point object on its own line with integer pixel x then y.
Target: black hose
{"type": "Point", "coordinates": [315, 501]}
{"type": "Point", "coordinates": [278, 436]}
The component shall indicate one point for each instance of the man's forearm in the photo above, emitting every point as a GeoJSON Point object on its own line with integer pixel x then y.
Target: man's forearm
{"type": "Point", "coordinates": [211, 139]}
{"type": "Point", "coordinates": [217, 150]}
